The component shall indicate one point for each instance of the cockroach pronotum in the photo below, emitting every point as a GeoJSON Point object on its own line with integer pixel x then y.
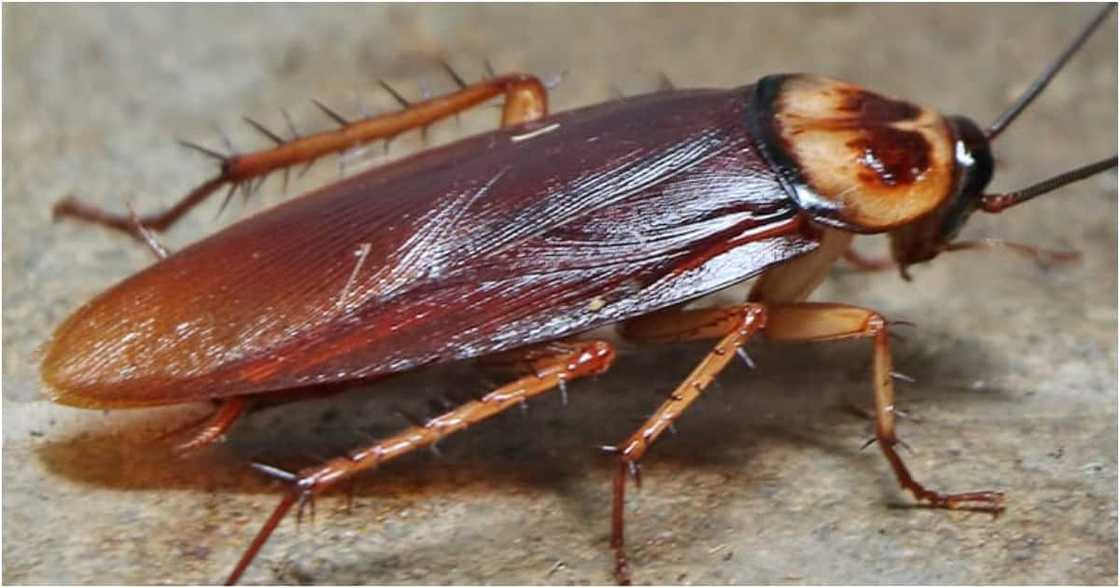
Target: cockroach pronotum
{"type": "Point", "coordinates": [515, 242]}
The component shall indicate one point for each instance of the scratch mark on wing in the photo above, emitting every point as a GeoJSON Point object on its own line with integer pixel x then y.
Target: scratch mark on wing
{"type": "Point", "coordinates": [426, 254]}
{"type": "Point", "coordinates": [362, 253]}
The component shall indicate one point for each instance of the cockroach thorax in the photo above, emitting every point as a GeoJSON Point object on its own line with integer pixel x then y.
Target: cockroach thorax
{"type": "Point", "coordinates": [852, 158]}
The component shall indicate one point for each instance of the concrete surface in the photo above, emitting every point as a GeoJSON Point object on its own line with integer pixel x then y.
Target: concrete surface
{"type": "Point", "coordinates": [1015, 363]}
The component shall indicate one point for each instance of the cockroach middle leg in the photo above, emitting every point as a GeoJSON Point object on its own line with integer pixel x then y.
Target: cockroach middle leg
{"type": "Point", "coordinates": [825, 322]}
{"type": "Point", "coordinates": [734, 326]}
{"type": "Point", "coordinates": [580, 359]}
{"type": "Point", "coordinates": [526, 99]}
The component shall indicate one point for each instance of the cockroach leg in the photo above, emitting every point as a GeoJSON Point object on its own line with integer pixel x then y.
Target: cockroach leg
{"type": "Point", "coordinates": [216, 425]}
{"type": "Point", "coordinates": [825, 322]}
{"type": "Point", "coordinates": [211, 427]}
{"type": "Point", "coordinates": [1043, 257]}
{"type": "Point", "coordinates": [526, 99]}
{"type": "Point", "coordinates": [584, 358]}
{"type": "Point", "coordinates": [867, 264]}
{"type": "Point", "coordinates": [783, 322]}
{"type": "Point", "coordinates": [733, 326]}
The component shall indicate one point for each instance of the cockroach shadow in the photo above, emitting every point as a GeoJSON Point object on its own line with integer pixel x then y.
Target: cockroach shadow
{"type": "Point", "coordinates": [805, 396]}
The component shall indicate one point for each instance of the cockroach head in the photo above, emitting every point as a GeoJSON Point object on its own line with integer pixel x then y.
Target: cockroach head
{"type": "Point", "coordinates": [929, 235]}
{"type": "Point", "coordinates": [863, 162]}
{"type": "Point", "coordinates": [922, 239]}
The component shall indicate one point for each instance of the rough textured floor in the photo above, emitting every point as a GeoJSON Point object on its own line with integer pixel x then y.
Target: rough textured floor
{"type": "Point", "coordinates": [1015, 363]}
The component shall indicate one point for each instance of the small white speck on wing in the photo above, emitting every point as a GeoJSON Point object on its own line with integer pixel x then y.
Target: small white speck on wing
{"type": "Point", "coordinates": [361, 253]}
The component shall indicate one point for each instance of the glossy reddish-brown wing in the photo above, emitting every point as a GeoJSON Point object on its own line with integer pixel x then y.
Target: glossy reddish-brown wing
{"type": "Point", "coordinates": [504, 239]}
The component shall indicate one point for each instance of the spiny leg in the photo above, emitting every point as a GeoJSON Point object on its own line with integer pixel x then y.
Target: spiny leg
{"type": "Point", "coordinates": [784, 322]}
{"type": "Point", "coordinates": [826, 322]}
{"type": "Point", "coordinates": [579, 359]}
{"type": "Point", "coordinates": [733, 326]}
{"type": "Point", "coordinates": [526, 99]}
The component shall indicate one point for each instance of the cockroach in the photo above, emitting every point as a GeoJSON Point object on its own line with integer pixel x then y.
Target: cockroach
{"type": "Point", "coordinates": [514, 242]}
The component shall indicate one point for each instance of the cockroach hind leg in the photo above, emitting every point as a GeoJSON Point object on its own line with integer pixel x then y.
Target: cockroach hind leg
{"type": "Point", "coordinates": [585, 359]}
{"type": "Point", "coordinates": [286, 503]}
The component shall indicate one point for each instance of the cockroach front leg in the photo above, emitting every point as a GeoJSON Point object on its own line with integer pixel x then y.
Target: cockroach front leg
{"type": "Point", "coordinates": [526, 99]}
{"type": "Point", "coordinates": [785, 322]}
{"type": "Point", "coordinates": [826, 322]}
{"type": "Point", "coordinates": [733, 326]}
{"type": "Point", "coordinates": [572, 361]}
{"type": "Point", "coordinates": [867, 264]}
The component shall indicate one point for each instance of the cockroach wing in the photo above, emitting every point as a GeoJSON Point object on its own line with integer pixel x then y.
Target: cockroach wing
{"type": "Point", "coordinates": [508, 238]}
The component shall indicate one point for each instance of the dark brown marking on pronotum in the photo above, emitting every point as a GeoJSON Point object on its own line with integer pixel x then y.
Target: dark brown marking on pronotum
{"type": "Point", "coordinates": [852, 159]}
{"type": "Point", "coordinates": [891, 156]}
{"type": "Point", "coordinates": [869, 108]}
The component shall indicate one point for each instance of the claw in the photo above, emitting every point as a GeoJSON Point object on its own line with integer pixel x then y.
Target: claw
{"type": "Point", "coordinates": [985, 501]}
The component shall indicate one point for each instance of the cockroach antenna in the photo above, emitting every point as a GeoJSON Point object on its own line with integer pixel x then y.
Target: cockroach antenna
{"type": "Point", "coordinates": [999, 202]}
{"type": "Point", "coordinates": [1047, 75]}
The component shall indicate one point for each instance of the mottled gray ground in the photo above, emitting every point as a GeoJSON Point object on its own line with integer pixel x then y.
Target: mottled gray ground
{"type": "Point", "coordinates": [1015, 363]}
